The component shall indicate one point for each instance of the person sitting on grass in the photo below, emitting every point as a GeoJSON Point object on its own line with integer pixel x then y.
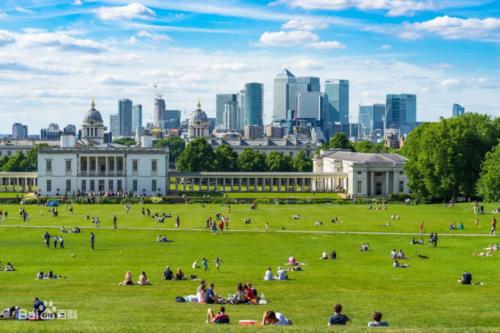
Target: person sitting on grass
{"type": "Point", "coordinates": [465, 279]}
{"type": "Point", "coordinates": [250, 296]}
{"type": "Point", "coordinates": [9, 267]}
{"type": "Point", "coordinates": [239, 296]}
{"type": "Point", "coordinates": [268, 275]}
{"type": "Point", "coordinates": [281, 274]}
{"type": "Point", "coordinates": [401, 255]}
{"type": "Point", "coordinates": [324, 255]}
{"type": "Point", "coordinates": [338, 318]}
{"type": "Point", "coordinates": [143, 280]}
{"type": "Point", "coordinates": [275, 318]}
{"type": "Point", "coordinates": [364, 247]}
{"type": "Point", "coordinates": [179, 275]}
{"type": "Point", "coordinates": [201, 292]}
{"type": "Point", "coordinates": [128, 281]}
{"type": "Point", "coordinates": [397, 264]}
{"type": "Point", "coordinates": [292, 261]}
{"type": "Point", "coordinates": [376, 320]}
{"type": "Point", "coordinates": [195, 264]}
{"type": "Point", "coordinates": [168, 274]}
{"type": "Point", "coordinates": [452, 226]}
{"type": "Point", "coordinates": [219, 318]}
{"type": "Point", "coordinates": [210, 296]}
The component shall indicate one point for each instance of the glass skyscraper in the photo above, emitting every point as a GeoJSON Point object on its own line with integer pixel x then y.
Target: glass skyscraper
{"type": "Point", "coordinates": [159, 111]}
{"type": "Point", "coordinates": [254, 103]}
{"type": "Point", "coordinates": [284, 95]}
{"type": "Point", "coordinates": [220, 101]}
{"type": "Point", "coordinates": [457, 110]}
{"type": "Point", "coordinates": [136, 116]}
{"type": "Point", "coordinates": [401, 112]}
{"type": "Point", "coordinates": [125, 114]}
{"type": "Point", "coordinates": [114, 124]}
{"type": "Point", "coordinates": [337, 94]}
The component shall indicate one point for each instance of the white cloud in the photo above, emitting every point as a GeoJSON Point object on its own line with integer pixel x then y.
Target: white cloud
{"type": "Point", "coordinates": [115, 81]}
{"type": "Point", "coordinates": [6, 37]}
{"type": "Point", "coordinates": [327, 45]}
{"type": "Point", "coordinates": [308, 65]}
{"type": "Point", "coordinates": [62, 40]}
{"type": "Point", "coordinates": [487, 29]}
{"type": "Point", "coordinates": [306, 24]}
{"type": "Point", "coordinates": [230, 67]}
{"type": "Point", "coordinates": [3, 15]}
{"type": "Point", "coordinates": [153, 36]}
{"type": "Point", "coordinates": [77, 3]}
{"type": "Point", "coordinates": [23, 10]}
{"type": "Point", "coordinates": [130, 11]}
{"type": "Point", "coordinates": [287, 38]}
{"type": "Point", "coordinates": [385, 47]}
{"type": "Point", "coordinates": [451, 83]}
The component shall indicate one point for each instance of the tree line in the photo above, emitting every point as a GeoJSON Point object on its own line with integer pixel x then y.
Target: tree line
{"type": "Point", "coordinates": [21, 162]}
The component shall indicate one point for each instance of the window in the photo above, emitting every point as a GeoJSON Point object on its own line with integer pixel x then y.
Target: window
{"type": "Point", "coordinates": [134, 185]}
{"type": "Point", "coordinates": [48, 165]}
{"type": "Point", "coordinates": [119, 164]}
{"type": "Point", "coordinates": [359, 172]}
{"type": "Point", "coordinates": [119, 185]}
{"type": "Point", "coordinates": [68, 165]}
{"type": "Point", "coordinates": [153, 185]}
{"type": "Point", "coordinates": [49, 185]}
{"type": "Point", "coordinates": [68, 185]}
{"type": "Point", "coordinates": [135, 165]}
{"type": "Point", "coordinates": [401, 172]}
{"type": "Point", "coordinates": [92, 185]}
{"type": "Point", "coordinates": [154, 165]}
{"type": "Point", "coordinates": [111, 164]}
{"type": "Point", "coordinates": [101, 185]}
{"type": "Point", "coordinates": [401, 186]}
{"type": "Point", "coordinates": [110, 185]}
{"type": "Point", "coordinates": [84, 186]}
{"type": "Point", "coordinates": [359, 186]}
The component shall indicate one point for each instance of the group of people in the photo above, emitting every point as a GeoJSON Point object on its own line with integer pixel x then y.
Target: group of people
{"type": "Point", "coordinates": [56, 240]}
{"type": "Point", "coordinates": [24, 214]}
{"type": "Point", "coordinates": [338, 318]}
{"type": "Point", "coordinates": [332, 255]}
{"type": "Point", "coordinates": [453, 226]}
{"type": "Point", "coordinates": [48, 276]}
{"type": "Point", "coordinates": [3, 215]}
{"type": "Point", "coordinates": [268, 318]}
{"type": "Point", "coordinates": [488, 251]}
{"type": "Point", "coordinates": [162, 239]}
{"type": "Point", "coordinates": [179, 275]}
{"type": "Point", "coordinates": [7, 268]}
{"type": "Point", "coordinates": [364, 247]}
{"type": "Point", "coordinates": [129, 281]}
{"type": "Point", "coordinates": [398, 254]}
{"type": "Point", "coordinates": [281, 274]}
{"type": "Point", "coordinates": [220, 223]}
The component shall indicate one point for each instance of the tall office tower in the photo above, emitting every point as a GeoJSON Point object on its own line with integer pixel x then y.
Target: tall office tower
{"type": "Point", "coordinates": [254, 103]}
{"type": "Point", "coordinates": [220, 101]}
{"type": "Point", "coordinates": [52, 133]}
{"type": "Point", "coordinates": [307, 84]}
{"type": "Point", "coordinates": [370, 121]}
{"type": "Point", "coordinates": [240, 121]}
{"type": "Point", "coordinates": [457, 110]}
{"type": "Point", "coordinates": [136, 116]}
{"type": "Point", "coordinates": [378, 117]}
{"type": "Point", "coordinates": [230, 115]}
{"type": "Point", "coordinates": [125, 113]}
{"type": "Point", "coordinates": [172, 119]}
{"type": "Point", "coordinates": [19, 131]}
{"type": "Point", "coordinates": [159, 110]}
{"type": "Point", "coordinates": [401, 112]}
{"type": "Point", "coordinates": [284, 95]}
{"type": "Point", "coordinates": [114, 124]}
{"type": "Point", "coordinates": [310, 105]}
{"type": "Point", "coordinates": [337, 92]}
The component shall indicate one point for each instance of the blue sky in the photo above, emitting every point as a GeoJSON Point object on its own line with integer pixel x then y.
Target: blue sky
{"type": "Point", "coordinates": [56, 55]}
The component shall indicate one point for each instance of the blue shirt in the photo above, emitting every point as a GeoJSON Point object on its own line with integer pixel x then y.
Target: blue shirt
{"type": "Point", "coordinates": [209, 295]}
{"type": "Point", "coordinates": [338, 319]}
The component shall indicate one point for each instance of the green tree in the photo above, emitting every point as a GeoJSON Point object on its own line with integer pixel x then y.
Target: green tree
{"type": "Point", "coordinates": [340, 140]}
{"type": "Point", "coordinates": [302, 163]}
{"type": "Point", "coordinates": [17, 162]}
{"type": "Point", "coordinates": [125, 141]}
{"type": "Point", "coordinates": [369, 147]}
{"type": "Point", "coordinates": [489, 182]}
{"type": "Point", "coordinates": [445, 157]}
{"type": "Point", "coordinates": [225, 159]}
{"type": "Point", "coordinates": [198, 156]}
{"type": "Point", "coordinates": [251, 160]}
{"type": "Point", "coordinates": [175, 144]}
{"type": "Point", "coordinates": [277, 161]}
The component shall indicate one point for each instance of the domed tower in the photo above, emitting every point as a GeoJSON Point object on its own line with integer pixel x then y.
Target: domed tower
{"type": "Point", "coordinates": [199, 126]}
{"type": "Point", "coordinates": [93, 127]}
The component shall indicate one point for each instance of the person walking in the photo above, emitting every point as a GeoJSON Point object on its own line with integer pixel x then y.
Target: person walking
{"type": "Point", "coordinates": [204, 263]}
{"type": "Point", "coordinates": [218, 261]}
{"type": "Point", "coordinates": [494, 226]}
{"type": "Point", "coordinates": [46, 238]}
{"type": "Point", "coordinates": [115, 220]}
{"type": "Point", "coordinates": [92, 241]}
{"type": "Point", "coordinates": [61, 242]}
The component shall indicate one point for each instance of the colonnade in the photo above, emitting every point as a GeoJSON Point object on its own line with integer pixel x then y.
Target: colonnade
{"type": "Point", "coordinates": [18, 181]}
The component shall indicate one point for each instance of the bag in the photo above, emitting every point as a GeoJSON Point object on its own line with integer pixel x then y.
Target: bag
{"type": "Point", "coordinates": [180, 299]}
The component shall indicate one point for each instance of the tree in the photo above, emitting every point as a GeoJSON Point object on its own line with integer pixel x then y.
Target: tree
{"type": "Point", "coordinates": [341, 141]}
{"type": "Point", "coordinates": [302, 163]}
{"type": "Point", "coordinates": [175, 145]}
{"type": "Point", "coordinates": [16, 162]}
{"type": "Point", "coordinates": [251, 160]}
{"type": "Point", "coordinates": [445, 157]}
{"type": "Point", "coordinates": [489, 183]}
{"type": "Point", "coordinates": [277, 161]}
{"type": "Point", "coordinates": [125, 141]}
{"type": "Point", "coordinates": [198, 156]}
{"type": "Point", "coordinates": [225, 159]}
{"type": "Point", "coordinates": [369, 147]}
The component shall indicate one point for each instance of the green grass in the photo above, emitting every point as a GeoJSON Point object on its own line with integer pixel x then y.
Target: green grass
{"type": "Point", "coordinates": [424, 297]}
{"type": "Point", "coordinates": [11, 194]}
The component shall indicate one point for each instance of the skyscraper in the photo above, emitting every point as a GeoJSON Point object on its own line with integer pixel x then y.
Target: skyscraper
{"type": "Point", "coordinates": [220, 101]}
{"type": "Point", "coordinates": [19, 131]}
{"type": "Point", "coordinates": [401, 112]}
{"type": "Point", "coordinates": [240, 119]}
{"type": "Point", "coordinates": [136, 117]}
{"type": "Point", "coordinates": [125, 114]}
{"type": "Point", "coordinates": [230, 115]}
{"type": "Point", "coordinates": [172, 119]}
{"type": "Point", "coordinates": [284, 96]}
{"type": "Point", "coordinates": [307, 84]}
{"type": "Point", "coordinates": [370, 121]}
{"type": "Point", "coordinates": [254, 103]}
{"type": "Point", "coordinates": [457, 110]}
{"type": "Point", "coordinates": [337, 94]}
{"type": "Point", "coordinates": [309, 105]}
{"type": "Point", "coordinates": [114, 124]}
{"type": "Point", "coordinates": [159, 110]}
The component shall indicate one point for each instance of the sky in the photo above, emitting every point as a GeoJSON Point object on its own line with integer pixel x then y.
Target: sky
{"type": "Point", "coordinates": [56, 55]}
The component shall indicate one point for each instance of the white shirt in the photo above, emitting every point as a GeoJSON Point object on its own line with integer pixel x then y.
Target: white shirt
{"type": "Point", "coordinates": [268, 276]}
{"type": "Point", "coordinates": [282, 320]}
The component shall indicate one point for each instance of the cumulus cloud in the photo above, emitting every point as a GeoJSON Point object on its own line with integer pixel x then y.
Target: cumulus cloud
{"type": "Point", "coordinates": [487, 29]}
{"type": "Point", "coordinates": [306, 24]}
{"type": "Point", "coordinates": [308, 65]}
{"type": "Point", "coordinates": [153, 36]}
{"type": "Point", "coordinates": [393, 7]}
{"type": "Point", "coordinates": [62, 40]}
{"type": "Point", "coordinates": [6, 37]}
{"type": "Point", "coordinates": [287, 38]}
{"type": "Point", "coordinates": [130, 11]}
{"type": "Point", "coordinates": [327, 45]}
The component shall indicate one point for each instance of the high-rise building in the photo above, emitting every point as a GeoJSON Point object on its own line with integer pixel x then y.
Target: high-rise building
{"type": "Point", "coordinates": [159, 111]}
{"type": "Point", "coordinates": [310, 105]}
{"type": "Point", "coordinates": [230, 116]}
{"type": "Point", "coordinates": [125, 113]}
{"type": "Point", "coordinates": [370, 121]}
{"type": "Point", "coordinates": [254, 103]}
{"type": "Point", "coordinates": [307, 84]}
{"type": "Point", "coordinates": [171, 119]}
{"type": "Point", "coordinates": [401, 112]}
{"type": "Point", "coordinates": [70, 129]}
{"type": "Point", "coordinates": [114, 124]}
{"type": "Point", "coordinates": [457, 110]}
{"type": "Point", "coordinates": [52, 133]}
{"type": "Point", "coordinates": [337, 94]}
{"type": "Point", "coordinates": [241, 110]}
{"type": "Point", "coordinates": [284, 96]}
{"type": "Point", "coordinates": [19, 131]}
{"type": "Point", "coordinates": [220, 101]}
{"type": "Point", "coordinates": [136, 116]}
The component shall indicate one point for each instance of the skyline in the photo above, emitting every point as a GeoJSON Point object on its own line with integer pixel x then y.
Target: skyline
{"type": "Point", "coordinates": [56, 55]}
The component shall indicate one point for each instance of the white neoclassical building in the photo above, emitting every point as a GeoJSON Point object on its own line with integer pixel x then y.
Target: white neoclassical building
{"type": "Point", "coordinates": [365, 174]}
{"type": "Point", "coordinates": [90, 166]}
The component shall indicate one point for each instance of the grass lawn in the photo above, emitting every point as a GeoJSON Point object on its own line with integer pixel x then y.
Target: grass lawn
{"type": "Point", "coordinates": [11, 194]}
{"type": "Point", "coordinates": [424, 297]}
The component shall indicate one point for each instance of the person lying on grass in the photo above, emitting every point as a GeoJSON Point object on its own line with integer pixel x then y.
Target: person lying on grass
{"type": "Point", "coordinates": [219, 318]}
{"type": "Point", "coordinates": [397, 264]}
{"type": "Point", "coordinates": [49, 276]}
{"type": "Point", "coordinates": [275, 318]}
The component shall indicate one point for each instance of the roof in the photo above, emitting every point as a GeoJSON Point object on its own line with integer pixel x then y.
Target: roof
{"type": "Point", "coordinates": [366, 157]}
{"type": "Point", "coordinates": [285, 74]}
